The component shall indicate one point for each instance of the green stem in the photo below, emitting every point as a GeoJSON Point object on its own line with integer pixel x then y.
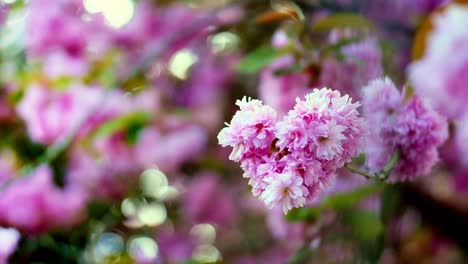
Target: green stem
{"type": "Point", "coordinates": [355, 170]}
{"type": "Point", "coordinates": [302, 255]}
{"type": "Point", "coordinates": [381, 175]}
{"type": "Point", "coordinates": [385, 172]}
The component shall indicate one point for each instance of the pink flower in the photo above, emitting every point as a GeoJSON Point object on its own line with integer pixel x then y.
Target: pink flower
{"type": "Point", "coordinates": [251, 128]}
{"type": "Point", "coordinates": [411, 127]}
{"type": "Point", "coordinates": [9, 238]}
{"type": "Point", "coordinates": [329, 140]}
{"type": "Point", "coordinates": [285, 191]}
{"type": "Point", "coordinates": [381, 100]}
{"type": "Point", "coordinates": [151, 25]}
{"type": "Point", "coordinates": [301, 153]}
{"type": "Point", "coordinates": [51, 114]}
{"type": "Point", "coordinates": [108, 170]}
{"type": "Point", "coordinates": [58, 25]}
{"type": "Point", "coordinates": [330, 124]}
{"type": "Point", "coordinates": [59, 64]}
{"type": "Point", "coordinates": [34, 205]}
{"type": "Point", "coordinates": [440, 76]}
{"type": "Point", "coordinates": [420, 131]}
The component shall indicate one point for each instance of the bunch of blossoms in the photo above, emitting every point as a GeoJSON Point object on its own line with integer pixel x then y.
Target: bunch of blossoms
{"type": "Point", "coordinates": [289, 162]}
{"type": "Point", "coordinates": [408, 128]}
{"type": "Point", "coordinates": [439, 75]}
{"type": "Point", "coordinates": [442, 77]}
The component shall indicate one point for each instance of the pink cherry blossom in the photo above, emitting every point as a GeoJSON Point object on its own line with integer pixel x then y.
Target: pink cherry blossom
{"type": "Point", "coordinates": [411, 127]}
{"type": "Point", "coordinates": [440, 76]}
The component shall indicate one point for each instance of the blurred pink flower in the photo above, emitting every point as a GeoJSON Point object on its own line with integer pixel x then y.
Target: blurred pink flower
{"type": "Point", "coordinates": [411, 127]}
{"type": "Point", "coordinates": [59, 64]}
{"type": "Point", "coordinates": [106, 171]}
{"type": "Point", "coordinates": [151, 25]}
{"type": "Point", "coordinates": [58, 25]}
{"type": "Point", "coordinates": [33, 204]}
{"type": "Point", "coordinates": [440, 76]}
{"type": "Point", "coordinates": [207, 201]}
{"type": "Point", "coordinates": [52, 114]}
{"type": "Point", "coordinates": [9, 238]}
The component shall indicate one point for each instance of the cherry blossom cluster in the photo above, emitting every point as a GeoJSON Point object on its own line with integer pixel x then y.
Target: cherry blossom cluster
{"type": "Point", "coordinates": [289, 162]}
{"type": "Point", "coordinates": [446, 87]}
{"type": "Point", "coordinates": [395, 124]}
{"type": "Point", "coordinates": [441, 77]}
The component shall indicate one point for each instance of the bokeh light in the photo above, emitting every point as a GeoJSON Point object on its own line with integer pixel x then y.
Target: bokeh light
{"type": "Point", "coordinates": [181, 62]}
{"type": "Point", "coordinates": [152, 214]}
{"type": "Point", "coordinates": [116, 12]}
{"type": "Point", "coordinates": [142, 247]}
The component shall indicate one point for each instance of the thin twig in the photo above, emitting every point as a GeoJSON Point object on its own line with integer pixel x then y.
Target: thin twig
{"type": "Point", "coordinates": [355, 170]}
{"type": "Point", "coordinates": [381, 175]}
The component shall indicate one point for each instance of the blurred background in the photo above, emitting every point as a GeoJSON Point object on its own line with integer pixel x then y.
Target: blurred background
{"type": "Point", "coordinates": [109, 112]}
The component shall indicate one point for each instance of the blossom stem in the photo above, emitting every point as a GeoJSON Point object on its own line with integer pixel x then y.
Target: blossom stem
{"type": "Point", "coordinates": [355, 170]}
{"type": "Point", "coordinates": [381, 175]}
{"type": "Point", "coordinates": [385, 172]}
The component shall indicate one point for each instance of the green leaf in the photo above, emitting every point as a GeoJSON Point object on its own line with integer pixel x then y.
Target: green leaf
{"type": "Point", "coordinates": [368, 232]}
{"type": "Point", "coordinates": [339, 201]}
{"type": "Point", "coordinates": [123, 122]}
{"type": "Point", "coordinates": [305, 214]}
{"type": "Point", "coordinates": [390, 199]}
{"type": "Point", "coordinates": [343, 20]}
{"type": "Point", "coordinates": [192, 262]}
{"type": "Point", "coordinates": [366, 225]}
{"type": "Point", "coordinates": [258, 59]}
{"type": "Point", "coordinates": [302, 256]}
{"type": "Point", "coordinates": [342, 201]}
